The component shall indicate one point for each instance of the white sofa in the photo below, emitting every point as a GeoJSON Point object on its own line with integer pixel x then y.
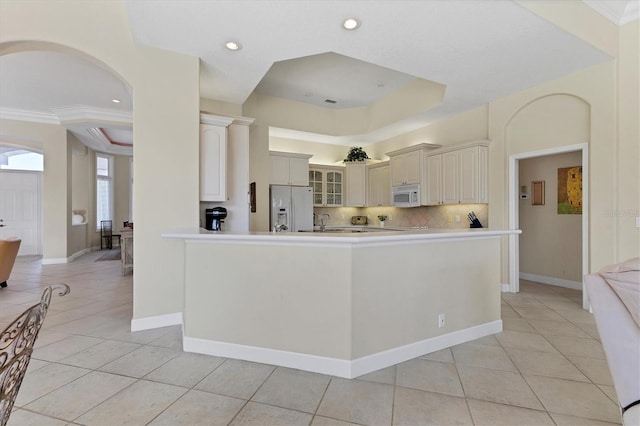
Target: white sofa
{"type": "Point", "coordinates": [614, 293]}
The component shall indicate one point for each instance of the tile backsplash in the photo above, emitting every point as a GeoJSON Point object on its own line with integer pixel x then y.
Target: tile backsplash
{"type": "Point", "coordinates": [435, 217]}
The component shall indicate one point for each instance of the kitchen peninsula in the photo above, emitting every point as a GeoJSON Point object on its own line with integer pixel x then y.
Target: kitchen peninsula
{"type": "Point", "coordinates": [343, 304]}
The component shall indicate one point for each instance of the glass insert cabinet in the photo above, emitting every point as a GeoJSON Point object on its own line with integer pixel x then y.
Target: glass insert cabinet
{"type": "Point", "coordinates": [328, 185]}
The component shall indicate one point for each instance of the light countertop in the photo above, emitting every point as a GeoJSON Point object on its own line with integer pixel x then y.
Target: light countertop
{"type": "Point", "coordinates": [375, 235]}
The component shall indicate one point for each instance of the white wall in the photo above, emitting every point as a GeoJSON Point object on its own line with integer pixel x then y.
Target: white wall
{"type": "Point", "coordinates": [322, 153]}
{"type": "Point", "coordinates": [165, 129]}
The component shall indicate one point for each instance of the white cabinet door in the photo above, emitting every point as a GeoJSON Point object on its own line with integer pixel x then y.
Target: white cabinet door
{"type": "Point", "coordinates": [412, 167]}
{"type": "Point", "coordinates": [316, 182]}
{"type": "Point", "coordinates": [398, 165]}
{"type": "Point", "coordinates": [213, 163]}
{"type": "Point", "coordinates": [434, 180]}
{"type": "Point", "coordinates": [279, 174]}
{"type": "Point", "coordinates": [379, 187]}
{"type": "Point", "coordinates": [328, 186]}
{"type": "Point", "coordinates": [450, 178]}
{"type": "Point", "coordinates": [356, 177]}
{"type": "Point", "coordinates": [298, 171]}
{"type": "Point", "coordinates": [468, 165]}
{"type": "Point", "coordinates": [288, 170]}
{"type": "Point", "coordinates": [483, 174]}
{"type": "Point", "coordinates": [406, 168]}
{"type": "Point", "coordinates": [334, 188]}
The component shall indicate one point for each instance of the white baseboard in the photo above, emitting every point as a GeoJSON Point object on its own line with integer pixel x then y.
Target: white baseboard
{"type": "Point", "coordinates": [80, 253]}
{"type": "Point", "coordinates": [348, 369]}
{"type": "Point", "coordinates": [158, 321]}
{"type": "Point", "coordinates": [506, 288]}
{"type": "Point", "coordinates": [57, 261]}
{"type": "Point", "coordinates": [394, 356]}
{"type": "Point", "coordinates": [559, 282]}
{"type": "Point", "coordinates": [300, 361]}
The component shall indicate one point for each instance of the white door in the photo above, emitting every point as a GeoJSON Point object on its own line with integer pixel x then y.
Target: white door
{"type": "Point", "coordinates": [20, 209]}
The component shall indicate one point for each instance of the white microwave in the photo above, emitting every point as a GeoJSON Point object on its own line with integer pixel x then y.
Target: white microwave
{"type": "Point", "coordinates": [405, 195]}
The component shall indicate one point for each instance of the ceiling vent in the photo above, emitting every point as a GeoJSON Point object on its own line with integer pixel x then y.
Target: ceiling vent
{"type": "Point", "coordinates": [330, 101]}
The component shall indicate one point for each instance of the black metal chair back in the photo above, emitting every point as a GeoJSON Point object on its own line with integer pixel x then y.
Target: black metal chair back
{"type": "Point", "coordinates": [106, 227]}
{"type": "Point", "coordinates": [16, 347]}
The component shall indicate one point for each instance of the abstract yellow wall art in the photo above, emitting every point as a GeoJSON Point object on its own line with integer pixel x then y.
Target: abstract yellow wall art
{"type": "Point", "coordinates": [570, 190]}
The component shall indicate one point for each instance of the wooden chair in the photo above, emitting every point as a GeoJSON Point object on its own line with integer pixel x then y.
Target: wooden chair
{"type": "Point", "coordinates": [16, 347]}
{"type": "Point", "coordinates": [8, 252]}
{"type": "Point", "coordinates": [106, 227]}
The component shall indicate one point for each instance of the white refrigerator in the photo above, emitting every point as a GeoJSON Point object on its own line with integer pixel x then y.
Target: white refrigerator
{"type": "Point", "coordinates": [291, 206]}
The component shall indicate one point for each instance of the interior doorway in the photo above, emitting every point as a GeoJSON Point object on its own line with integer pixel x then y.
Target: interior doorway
{"type": "Point", "coordinates": [21, 209]}
{"type": "Point", "coordinates": [515, 199]}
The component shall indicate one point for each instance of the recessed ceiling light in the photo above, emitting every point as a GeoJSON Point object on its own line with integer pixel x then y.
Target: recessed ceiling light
{"type": "Point", "coordinates": [233, 45]}
{"type": "Point", "coordinates": [115, 101]}
{"type": "Point", "coordinates": [351, 23]}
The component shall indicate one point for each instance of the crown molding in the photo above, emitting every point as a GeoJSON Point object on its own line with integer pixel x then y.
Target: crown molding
{"type": "Point", "coordinates": [67, 114]}
{"type": "Point", "coordinates": [631, 13]}
{"type": "Point", "coordinates": [609, 10]}
{"type": "Point", "coordinates": [26, 115]}
{"type": "Point", "coordinates": [215, 120]}
{"type": "Point", "coordinates": [96, 140]}
{"type": "Point", "coordinates": [98, 136]}
{"type": "Point", "coordinates": [88, 113]}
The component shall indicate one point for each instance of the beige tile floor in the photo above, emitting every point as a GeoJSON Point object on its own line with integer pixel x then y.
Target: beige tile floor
{"type": "Point", "coordinates": [546, 368]}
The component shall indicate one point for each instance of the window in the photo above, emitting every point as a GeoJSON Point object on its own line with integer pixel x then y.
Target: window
{"type": "Point", "coordinates": [104, 188]}
{"type": "Point", "coordinates": [19, 159]}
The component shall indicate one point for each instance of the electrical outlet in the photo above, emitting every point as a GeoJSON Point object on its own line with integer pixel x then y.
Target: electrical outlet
{"type": "Point", "coordinates": [390, 217]}
{"type": "Point", "coordinates": [440, 320]}
{"type": "Point", "coordinates": [637, 222]}
{"type": "Point", "coordinates": [457, 218]}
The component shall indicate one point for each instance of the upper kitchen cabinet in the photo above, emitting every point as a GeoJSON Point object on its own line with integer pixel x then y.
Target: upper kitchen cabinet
{"type": "Point", "coordinates": [356, 174]}
{"type": "Point", "coordinates": [458, 174]}
{"type": "Point", "coordinates": [224, 166]}
{"type": "Point", "coordinates": [379, 184]}
{"type": "Point", "coordinates": [289, 168]}
{"type": "Point", "coordinates": [406, 165]}
{"type": "Point", "coordinates": [213, 157]}
{"type": "Point", "coordinates": [328, 185]}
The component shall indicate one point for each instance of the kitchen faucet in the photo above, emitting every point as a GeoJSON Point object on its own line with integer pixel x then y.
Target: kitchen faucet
{"type": "Point", "coordinates": [322, 216]}
{"type": "Point", "coordinates": [280, 227]}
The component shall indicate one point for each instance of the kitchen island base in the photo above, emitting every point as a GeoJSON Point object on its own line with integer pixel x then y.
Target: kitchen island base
{"type": "Point", "coordinates": [339, 305]}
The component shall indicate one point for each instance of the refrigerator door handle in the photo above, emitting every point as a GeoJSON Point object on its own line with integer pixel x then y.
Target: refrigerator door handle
{"type": "Point", "coordinates": [292, 218]}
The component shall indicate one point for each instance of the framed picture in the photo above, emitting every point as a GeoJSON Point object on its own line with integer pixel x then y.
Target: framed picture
{"type": "Point", "coordinates": [537, 193]}
{"type": "Point", "coordinates": [570, 190]}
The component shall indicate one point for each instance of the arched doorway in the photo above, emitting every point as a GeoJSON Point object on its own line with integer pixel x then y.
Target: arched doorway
{"type": "Point", "coordinates": [539, 124]}
{"type": "Point", "coordinates": [70, 110]}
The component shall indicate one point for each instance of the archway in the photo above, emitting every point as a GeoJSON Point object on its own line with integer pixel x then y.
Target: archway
{"type": "Point", "coordinates": [62, 122]}
{"type": "Point", "coordinates": [537, 124]}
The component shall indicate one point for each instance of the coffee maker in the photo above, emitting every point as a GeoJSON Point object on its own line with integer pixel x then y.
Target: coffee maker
{"type": "Point", "coordinates": [215, 218]}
